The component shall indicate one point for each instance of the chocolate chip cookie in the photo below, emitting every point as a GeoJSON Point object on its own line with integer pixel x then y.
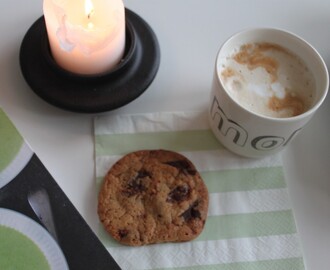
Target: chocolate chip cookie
{"type": "Point", "coordinates": [153, 196]}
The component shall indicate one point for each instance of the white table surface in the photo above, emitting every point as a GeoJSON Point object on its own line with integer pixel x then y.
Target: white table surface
{"type": "Point", "coordinates": [190, 33]}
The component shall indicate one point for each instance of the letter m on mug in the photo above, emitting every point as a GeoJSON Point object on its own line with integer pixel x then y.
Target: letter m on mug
{"type": "Point", "coordinates": [227, 127]}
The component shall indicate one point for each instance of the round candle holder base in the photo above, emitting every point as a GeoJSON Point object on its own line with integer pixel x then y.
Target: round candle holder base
{"type": "Point", "coordinates": [91, 93]}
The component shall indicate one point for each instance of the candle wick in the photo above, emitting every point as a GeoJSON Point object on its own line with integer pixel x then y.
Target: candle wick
{"type": "Point", "coordinates": [89, 15]}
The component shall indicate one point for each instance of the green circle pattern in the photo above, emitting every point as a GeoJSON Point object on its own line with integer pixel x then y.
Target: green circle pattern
{"type": "Point", "coordinates": [19, 252]}
{"type": "Point", "coordinates": [10, 141]}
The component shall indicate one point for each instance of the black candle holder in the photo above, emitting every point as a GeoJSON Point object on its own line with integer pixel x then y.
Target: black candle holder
{"type": "Point", "coordinates": [91, 93]}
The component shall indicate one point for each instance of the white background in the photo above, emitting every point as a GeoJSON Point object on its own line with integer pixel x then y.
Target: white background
{"type": "Point", "coordinates": [190, 33]}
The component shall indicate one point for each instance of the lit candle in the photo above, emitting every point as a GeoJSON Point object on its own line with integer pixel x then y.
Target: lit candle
{"type": "Point", "coordinates": [86, 36]}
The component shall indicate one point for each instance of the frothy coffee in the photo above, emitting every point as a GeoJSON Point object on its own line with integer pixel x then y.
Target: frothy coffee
{"type": "Point", "coordinates": [268, 79]}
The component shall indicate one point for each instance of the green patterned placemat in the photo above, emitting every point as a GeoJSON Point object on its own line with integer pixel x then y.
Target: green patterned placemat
{"type": "Point", "coordinates": [14, 152]}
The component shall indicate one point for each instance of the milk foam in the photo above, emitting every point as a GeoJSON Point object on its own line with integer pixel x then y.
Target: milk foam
{"type": "Point", "coordinates": [268, 79]}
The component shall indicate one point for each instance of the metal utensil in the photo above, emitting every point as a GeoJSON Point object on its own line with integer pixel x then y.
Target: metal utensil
{"type": "Point", "coordinates": [40, 203]}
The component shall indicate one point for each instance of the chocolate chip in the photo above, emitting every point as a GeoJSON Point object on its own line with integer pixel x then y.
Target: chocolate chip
{"type": "Point", "coordinates": [191, 212]}
{"type": "Point", "coordinates": [143, 173]}
{"type": "Point", "coordinates": [183, 165]}
{"type": "Point", "coordinates": [135, 185]}
{"type": "Point", "coordinates": [122, 233]}
{"type": "Point", "coordinates": [178, 194]}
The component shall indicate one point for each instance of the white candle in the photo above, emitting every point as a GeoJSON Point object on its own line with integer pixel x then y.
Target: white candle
{"type": "Point", "coordinates": [86, 36]}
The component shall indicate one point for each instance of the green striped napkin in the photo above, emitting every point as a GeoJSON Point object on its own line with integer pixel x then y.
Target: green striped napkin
{"type": "Point", "coordinates": [250, 223]}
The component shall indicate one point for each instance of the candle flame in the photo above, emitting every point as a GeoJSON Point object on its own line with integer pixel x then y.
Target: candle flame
{"type": "Point", "coordinates": [89, 8]}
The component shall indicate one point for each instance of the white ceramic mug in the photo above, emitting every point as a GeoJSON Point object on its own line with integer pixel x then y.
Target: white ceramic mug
{"type": "Point", "coordinates": [251, 134]}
